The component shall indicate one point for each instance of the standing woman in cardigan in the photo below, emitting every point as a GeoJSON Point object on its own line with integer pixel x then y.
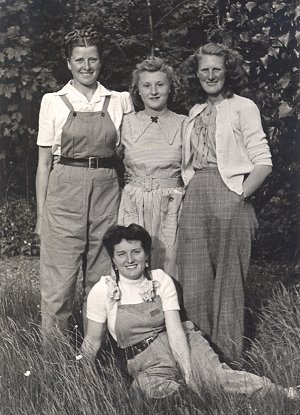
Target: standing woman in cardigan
{"type": "Point", "coordinates": [226, 159]}
{"type": "Point", "coordinates": [79, 199]}
{"type": "Point", "coordinates": [152, 139]}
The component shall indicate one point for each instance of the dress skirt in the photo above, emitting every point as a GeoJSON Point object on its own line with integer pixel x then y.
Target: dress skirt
{"type": "Point", "coordinates": [157, 210]}
{"type": "Point", "coordinates": [214, 247]}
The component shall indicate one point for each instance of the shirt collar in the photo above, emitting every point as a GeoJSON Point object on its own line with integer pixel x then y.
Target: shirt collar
{"type": "Point", "coordinates": [198, 108]}
{"type": "Point", "coordinates": [168, 123]}
{"type": "Point", "coordinates": [100, 92]}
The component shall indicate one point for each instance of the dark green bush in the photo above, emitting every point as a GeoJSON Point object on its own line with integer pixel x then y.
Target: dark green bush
{"type": "Point", "coordinates": [264, 32]}
{"type": "Point", "coordinates": [17, 237]}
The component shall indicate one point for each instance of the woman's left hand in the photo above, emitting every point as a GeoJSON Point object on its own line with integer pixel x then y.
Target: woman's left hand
{"type": "Point", "coordinates": [127, 177]}
{"type": "Point", "coordinates": [255, 179]}
{"type": "Point", "coordinates": [56, 160]}
{"type": "Point", "coordinates": [120, 151]}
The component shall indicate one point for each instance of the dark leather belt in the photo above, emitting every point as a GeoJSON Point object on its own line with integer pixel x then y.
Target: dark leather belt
{"type": "Point", "coordinates": [139, 347]}
{"type": "Point", "coordinates": [90, 162]}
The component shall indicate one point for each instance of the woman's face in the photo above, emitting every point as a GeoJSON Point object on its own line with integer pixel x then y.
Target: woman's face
{"type": "Point", "coordinates": [211, 73]}
{"type": "Point", "coordinates": [130, 259]}
{"type": "Point", "coordinates": [154, 89]}
{"type": "Point", "coordinates": [85, 65]}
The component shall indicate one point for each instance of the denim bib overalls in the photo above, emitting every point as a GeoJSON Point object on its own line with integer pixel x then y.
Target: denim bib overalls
{"type": "Point", "coordinates": [153, 370]}
{"type": "Point", "coordinates": [81, 204]}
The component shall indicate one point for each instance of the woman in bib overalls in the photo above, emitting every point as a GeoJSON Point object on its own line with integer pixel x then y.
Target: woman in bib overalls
{"type": "Point", "coordinates": [140, 308]}
{"type": "Point", "coordinates": [79, 199]}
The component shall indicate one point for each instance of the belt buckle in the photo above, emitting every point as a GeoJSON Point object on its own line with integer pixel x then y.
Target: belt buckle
{"type": "Point", "coordinates": [93, 162]}
{"type": "Point", "coordinates": [149, 340]}
{"type": "Point", "coordinates": [147, 184]}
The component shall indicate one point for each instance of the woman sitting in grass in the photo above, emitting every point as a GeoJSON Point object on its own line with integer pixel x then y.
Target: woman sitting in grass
{"type": "Point", "coordinates": [141, 310]}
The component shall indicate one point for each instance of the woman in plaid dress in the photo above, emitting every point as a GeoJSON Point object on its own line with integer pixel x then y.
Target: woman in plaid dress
{"type": "Point", "coordinates": [226, 158]}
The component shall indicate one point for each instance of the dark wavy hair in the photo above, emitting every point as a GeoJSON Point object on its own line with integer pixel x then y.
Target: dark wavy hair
{"type": "Point", "coordinates": [151, 64]}
{"type": "Point", "coordinates": [81, 38]}
{"type": "Point", "coordinates": [116, 233]}
{"type": "Point", "coordinates": [235, 75]}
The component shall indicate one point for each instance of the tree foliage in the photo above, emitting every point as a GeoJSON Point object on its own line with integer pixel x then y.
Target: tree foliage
{"type": "Point", "coordinates": [263, 32]}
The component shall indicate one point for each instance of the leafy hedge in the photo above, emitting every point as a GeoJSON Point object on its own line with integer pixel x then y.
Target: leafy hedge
{"type": "Point", "coordinates": [264, 32]}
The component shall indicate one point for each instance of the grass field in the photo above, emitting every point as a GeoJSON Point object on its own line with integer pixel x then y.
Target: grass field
{"type": "Point", "coordinates": [33, 382]}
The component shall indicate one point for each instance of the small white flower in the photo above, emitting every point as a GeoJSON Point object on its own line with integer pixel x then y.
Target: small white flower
{"type": "Point", "coordinates": [76, 327]}
{"type": "Point", "coordinates": [27, 373]}
{"type": "Point", "coordinates": [79, 357]}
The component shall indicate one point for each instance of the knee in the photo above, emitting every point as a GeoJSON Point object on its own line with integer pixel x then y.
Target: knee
{"type": "Point", "coordinates": [154, 387]}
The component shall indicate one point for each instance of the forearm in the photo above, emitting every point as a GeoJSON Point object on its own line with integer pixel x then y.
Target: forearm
{"type": "Point", "coordinates": [90, 347]}
{"type": "Point", "coordinates": [255, 179]}
{"type": "Point", "coordinates": [41, 183]}
{"type": "Point", "coordinates": [42, 179]}
{"type": "Point", "coordinates": [182, 355]}
{"type": "Point", "coordinates": [93, 339]}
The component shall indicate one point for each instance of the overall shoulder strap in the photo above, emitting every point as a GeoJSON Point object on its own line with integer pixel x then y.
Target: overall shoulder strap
{"type": "Point", "coordinates": [67, 102]}
{"type": "Point", "coordinates": [106, 102]}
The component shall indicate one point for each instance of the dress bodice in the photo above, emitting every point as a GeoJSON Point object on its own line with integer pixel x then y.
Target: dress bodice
{"type": "Point", "coordinates": [153, 148]}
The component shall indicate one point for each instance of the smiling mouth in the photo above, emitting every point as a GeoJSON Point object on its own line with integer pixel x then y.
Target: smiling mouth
{"type": "Point", "coordinates": [131, 266]}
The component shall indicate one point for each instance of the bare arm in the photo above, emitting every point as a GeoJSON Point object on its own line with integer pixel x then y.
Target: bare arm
{"type": "Point", "coordinates": [255, 179]}
{"type": "Point", "coordinates": [178, 343]}
{"type": "Point", "coordinates": [93, 339]}
{"type": "Point", "coordinates": [41, 182]}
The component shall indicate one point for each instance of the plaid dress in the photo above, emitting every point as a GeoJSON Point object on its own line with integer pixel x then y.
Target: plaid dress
{"type": "Point", "coordinates": [152, 198]}
{"type": "Point", "coordinates": [214, 245]}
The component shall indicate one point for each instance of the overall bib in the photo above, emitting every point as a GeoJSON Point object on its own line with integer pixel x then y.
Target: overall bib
{"type": "Point", "coordinates": [153, 370]}
{"type": "Point", "coordinates": [81, 204]}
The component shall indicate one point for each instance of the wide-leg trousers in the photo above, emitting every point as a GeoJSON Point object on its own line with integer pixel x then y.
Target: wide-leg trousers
{"type": "Point", "coordinates": [156, 373]}
{"type": "Point", "coordinates": [216, 229]}
{"type": "Point", "coordinates": [81, 204]}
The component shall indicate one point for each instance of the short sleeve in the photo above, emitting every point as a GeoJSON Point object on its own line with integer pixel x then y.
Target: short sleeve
{"type": "Point", "coordinates": [126, 130]}
{"type": "Point", "coordinates": [46, 131]}
{"type": "Point", "coordinates": [126, 102]}
{"type": "Point", "coordinates": [96, 302]}
{"type": "Point", "coordinates": [166, 291]}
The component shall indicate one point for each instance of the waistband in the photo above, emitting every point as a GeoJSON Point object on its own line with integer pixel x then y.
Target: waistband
{"type": "Point", "coordinates": [149, 183]}
{"type": "Point", "coordinates": [132, 351]}
{"type": "Point", "coordinates": [210, 166]}
{"type": "Point", "coordinates": [90, 162]}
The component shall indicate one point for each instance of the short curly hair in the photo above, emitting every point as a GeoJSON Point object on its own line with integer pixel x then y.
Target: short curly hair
{"type": "Point", "coordinates": [151, 64]}
{"type": "Point", "coordinates": [116, 233]}
{"type": "Point", "coordinates": [81, 38]}
{"type": "Point", "coordinates": [235, 75]}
